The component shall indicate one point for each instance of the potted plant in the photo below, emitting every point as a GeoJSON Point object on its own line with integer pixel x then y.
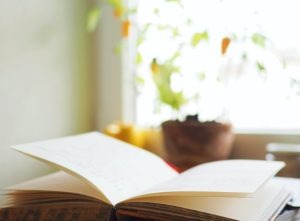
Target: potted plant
{"type": "Point", "coordinates": [187, 139]}
{"type": "Point", "coordinates": [190, 141]}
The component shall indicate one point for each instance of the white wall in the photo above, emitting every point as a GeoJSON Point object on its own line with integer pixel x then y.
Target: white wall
{"type": "Point", "coordinates": [108, 67]}
{"type": "Point", "coordinates": [114, 81]}
{"type": "Point", "coordinates": [44, 78]}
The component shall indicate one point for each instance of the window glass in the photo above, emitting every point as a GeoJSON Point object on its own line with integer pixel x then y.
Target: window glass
{"type": "Point", "coordinates": [253, 84]}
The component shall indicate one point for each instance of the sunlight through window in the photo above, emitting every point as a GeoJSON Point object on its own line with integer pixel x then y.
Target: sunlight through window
{"type": "Point", "coordinates": [254, 85]}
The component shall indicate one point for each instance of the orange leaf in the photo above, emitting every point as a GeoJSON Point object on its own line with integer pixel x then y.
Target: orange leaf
{"type": "Point", "coordinates": [225, 44]}
{"type": "Point", "coordinates": [125, 28]}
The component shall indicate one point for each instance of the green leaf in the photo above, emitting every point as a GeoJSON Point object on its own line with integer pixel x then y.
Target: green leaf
{"type": "Point", "coordinates": [139, 80]}
{"type": "Point", "coordinates": [132, 11]}
{"type": "Point", "coordinates": [93, 18]}
{"type": "Point", "coordinates": [197, 37]}
{"type": "Point", "coordinates": [139, 58]}
{"type": "Point", "coordinates": [156, 11]}
{"type": "Point", "coordinates": [259, 39]}
{"type": "Point", "coordinates": [163, 27]}
{"type": "Point", "coordinates": [174, 56]}
{"type": "Point", "coordinates": [176, 69]}
{"type": "Point", "coordinates": [176, 32]}
{"type": "Point", "coordinates": [174, 99]}
{"type": "Point", "coordinates": [260, 66]}
{"type": "Point", "coordinates": [234, 37]}
{"type": "Point", "coordinates": [145, 28]}
{"type": "Point", "coordinates": [140, 40]}
{"type": "Point", "coordinates": [202, 76]}
{"type": "Point", "coordinates": [175, 1]}
{"type": "Point", "coordinates": [115, 3]}
{"type": "Point", "coordinates": [118, 49]}
{"type": "Point", "coordinates": [188, 21]}
{"type": "Point", "coordinates": [244, 56]}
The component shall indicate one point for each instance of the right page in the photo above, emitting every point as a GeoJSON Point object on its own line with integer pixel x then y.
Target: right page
{"type": "Point", "coordinates": [264, 205]}
{"type": "Point", "coordinates": [219, 178]}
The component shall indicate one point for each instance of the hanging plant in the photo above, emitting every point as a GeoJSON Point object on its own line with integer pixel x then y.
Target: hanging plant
{"type": "Point", "coordinates": [120, 12]}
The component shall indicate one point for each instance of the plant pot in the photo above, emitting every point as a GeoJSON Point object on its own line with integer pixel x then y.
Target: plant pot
{"type": "Point", "coordinates": [191, 142]}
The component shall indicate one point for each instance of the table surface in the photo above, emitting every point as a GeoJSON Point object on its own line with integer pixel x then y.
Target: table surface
{"type": "Point", "coordinates": [289, 215]}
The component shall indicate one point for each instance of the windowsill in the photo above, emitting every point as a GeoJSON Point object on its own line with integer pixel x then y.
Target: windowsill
{"type": "Point", "coordinates": [267, 131]}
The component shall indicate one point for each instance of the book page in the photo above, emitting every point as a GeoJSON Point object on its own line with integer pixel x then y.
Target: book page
{"type": "Point", "coordinates": [220, 178]}
{"type": "Point", "coordinates": [293, 185]}
{"type": "Point", "coordinates": [115, 168]}
{"type": "Point", "coordinates": [59, 182]}
{"type": "Point", "coordinates": [264, 204]}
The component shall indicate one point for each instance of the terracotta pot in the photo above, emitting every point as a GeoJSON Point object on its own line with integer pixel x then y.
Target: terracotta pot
{"type": "Point", "coordinates": [191, 142]}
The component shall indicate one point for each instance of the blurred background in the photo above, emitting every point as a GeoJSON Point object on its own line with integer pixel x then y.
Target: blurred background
{"type": "Point", "coordinates": [72, 66]}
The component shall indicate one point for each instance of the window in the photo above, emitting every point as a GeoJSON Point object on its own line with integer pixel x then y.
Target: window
{"type": "Point", "coordinates": [254, 85]}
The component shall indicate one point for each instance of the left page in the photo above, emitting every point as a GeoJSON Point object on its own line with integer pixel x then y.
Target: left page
{"type": "Point", "coordinates": [59, 182]}
{"type": "Point", "coordinates": [117, 169]}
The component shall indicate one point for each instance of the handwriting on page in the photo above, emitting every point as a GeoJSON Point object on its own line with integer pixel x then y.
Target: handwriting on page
{"type": "Point", "coordinates": [115, 168]}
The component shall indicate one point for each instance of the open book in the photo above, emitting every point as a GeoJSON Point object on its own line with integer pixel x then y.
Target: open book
{"type": "Point", "coordinates": [106, 179]}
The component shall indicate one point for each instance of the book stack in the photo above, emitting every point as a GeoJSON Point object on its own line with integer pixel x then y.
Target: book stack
{"type": "Point", "coordinates": [101, 178]}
